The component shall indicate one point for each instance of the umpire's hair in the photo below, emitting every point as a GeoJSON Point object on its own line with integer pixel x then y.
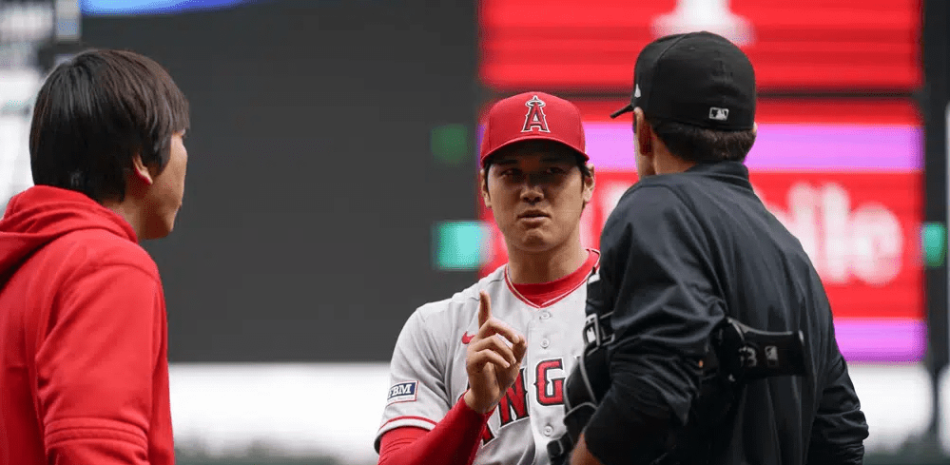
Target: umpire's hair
{"type": "Point", "coordinates": [701, 145]}
{"type": "Point", "coordinates": [95, 113]}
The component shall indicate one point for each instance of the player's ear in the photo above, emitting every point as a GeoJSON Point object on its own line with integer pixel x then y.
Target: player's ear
{"type": "Point", "coordinates": [142, 172]}
{"type": "Point", "coordinates": [483, 187]}
{"type": "Point", "coordinates": [643, 134]}
{"type": "Point", "coordinates": [589, 181]}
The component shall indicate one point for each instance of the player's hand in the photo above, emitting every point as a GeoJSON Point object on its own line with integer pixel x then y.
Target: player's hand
{"type": "Point", "coordinates": [492, 364]}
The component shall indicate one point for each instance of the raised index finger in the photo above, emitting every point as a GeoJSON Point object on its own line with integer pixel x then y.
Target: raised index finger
{"type": "Point", "coordinates": [484, 308]}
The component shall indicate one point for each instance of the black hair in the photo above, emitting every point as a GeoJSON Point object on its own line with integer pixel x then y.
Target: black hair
{"type": "Point", "coordinates": [97, 111]}
{"type": "Point", "coordinates": [537, 146]}
{"type": "Point", "coordinates": [701, 145]}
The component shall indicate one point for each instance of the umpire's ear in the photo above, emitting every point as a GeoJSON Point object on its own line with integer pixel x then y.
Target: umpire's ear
{"type": "Point", "coordinates": [643, 134]}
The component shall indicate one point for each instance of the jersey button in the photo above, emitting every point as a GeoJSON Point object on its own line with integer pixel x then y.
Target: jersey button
{"type": "Point", "coordinates": [545, 343]}
{"type": "Point", "coordinates": [545, 315]}
{"type": "Point", "coordinates": [548, 430]}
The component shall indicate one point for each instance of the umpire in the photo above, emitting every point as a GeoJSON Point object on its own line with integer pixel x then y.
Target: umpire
{"type": "Point", "coordinates": [688, 246]}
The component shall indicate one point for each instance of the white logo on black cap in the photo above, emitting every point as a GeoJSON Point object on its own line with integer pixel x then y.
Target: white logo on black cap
{"type": "Point", "coordinates": [636, 91]}
{"type": "Point", "coordinates": [718, 114]}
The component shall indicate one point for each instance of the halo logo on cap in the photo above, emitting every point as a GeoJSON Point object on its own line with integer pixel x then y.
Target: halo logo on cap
{"type": "Point", "coordinates": [535, 117]}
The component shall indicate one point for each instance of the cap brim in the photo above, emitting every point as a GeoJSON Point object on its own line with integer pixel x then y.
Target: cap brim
{"type": "Point", "coordinates": [626, 109]}
{"type": "Point", "coordinates": [534, 136]}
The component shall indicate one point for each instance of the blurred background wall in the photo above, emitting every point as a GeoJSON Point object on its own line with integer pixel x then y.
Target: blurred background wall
{"type": "Point", "coordinates": [331, 184]}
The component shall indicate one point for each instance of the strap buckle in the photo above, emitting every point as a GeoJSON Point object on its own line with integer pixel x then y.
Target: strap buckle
{"type": "Point", "coordinates": [596, 332]}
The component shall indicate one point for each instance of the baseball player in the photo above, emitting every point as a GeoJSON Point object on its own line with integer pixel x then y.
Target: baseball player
{"type": "Point", "coordinates": [478, 378]}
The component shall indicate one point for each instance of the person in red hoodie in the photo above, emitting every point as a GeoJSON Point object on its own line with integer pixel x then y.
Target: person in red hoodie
{"type": "Point", "coordinates": [83, 333]}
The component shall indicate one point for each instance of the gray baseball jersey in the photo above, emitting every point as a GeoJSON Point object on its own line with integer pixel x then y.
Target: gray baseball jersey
{"type": "Point", "coordinates": [428, 375]}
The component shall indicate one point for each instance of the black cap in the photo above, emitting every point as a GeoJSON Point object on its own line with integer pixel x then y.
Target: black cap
{"type": "Point", "coordinates": [699, 78]}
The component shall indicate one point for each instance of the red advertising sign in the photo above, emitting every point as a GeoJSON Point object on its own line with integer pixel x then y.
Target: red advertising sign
{"type": "Point", "coordinates": [805, 44]}
{"type": "Point", "coordinates": [862, 233]}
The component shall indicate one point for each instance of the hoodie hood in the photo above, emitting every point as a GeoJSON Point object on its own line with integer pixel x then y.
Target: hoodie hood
{"type": "Point", "coordinates": [40, 214]}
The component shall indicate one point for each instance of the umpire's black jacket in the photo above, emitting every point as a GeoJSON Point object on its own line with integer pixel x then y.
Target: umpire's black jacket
{"type": "Point", "coordinates": [680, 251]}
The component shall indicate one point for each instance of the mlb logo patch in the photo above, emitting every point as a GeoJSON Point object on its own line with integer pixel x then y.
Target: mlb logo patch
{"type": "Point", "coordinates": [718, 114]}
{"type": "Point", "coordinates": [402, 392]}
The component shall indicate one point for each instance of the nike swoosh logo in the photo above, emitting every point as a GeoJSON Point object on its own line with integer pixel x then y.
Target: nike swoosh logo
{"type": "Point", "coordinates": [466, 338]}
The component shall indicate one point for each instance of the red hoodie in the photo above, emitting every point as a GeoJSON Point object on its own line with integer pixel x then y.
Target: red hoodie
{"type": "Point", "coordinates": [83, 337]}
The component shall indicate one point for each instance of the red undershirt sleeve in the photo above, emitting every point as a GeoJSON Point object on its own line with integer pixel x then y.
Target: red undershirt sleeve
{"type": "Point", "coordinates": [453, 441]}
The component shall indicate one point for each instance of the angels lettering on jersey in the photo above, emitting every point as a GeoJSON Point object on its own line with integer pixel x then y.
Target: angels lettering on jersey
{"type": "Point", "coordinates": [428, 370]}
{"type": "Point", "coordinates": [548, 390]}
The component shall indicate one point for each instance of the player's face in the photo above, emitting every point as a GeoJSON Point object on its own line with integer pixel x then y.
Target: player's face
{"type": "Point", "coordinates": [537, 198]}
{"type": "Point", "coordinates": [165, 195]}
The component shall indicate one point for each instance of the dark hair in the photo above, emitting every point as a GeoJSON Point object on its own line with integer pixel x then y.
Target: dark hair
{"type": "Point", "coordinates": [700, 145]}
{"type": "Point", "coordinates": [537, 146]}
{"type": "Point", "coordinates": [97, 111]}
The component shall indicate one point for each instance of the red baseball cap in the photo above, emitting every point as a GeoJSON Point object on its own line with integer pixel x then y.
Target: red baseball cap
{"type": "Point", "coordinates": [533, 116]}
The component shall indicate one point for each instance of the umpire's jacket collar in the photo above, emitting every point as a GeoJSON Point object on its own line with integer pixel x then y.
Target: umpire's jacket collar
{"type": "Point", "coordinates": [730, 172]}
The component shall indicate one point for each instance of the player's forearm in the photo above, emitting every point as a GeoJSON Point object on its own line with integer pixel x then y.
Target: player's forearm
{"type": "Point", "coordinates": [453, 441]}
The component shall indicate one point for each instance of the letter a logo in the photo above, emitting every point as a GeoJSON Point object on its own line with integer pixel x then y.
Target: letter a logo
{"type": "Point", "coordinates": [535, 119]}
